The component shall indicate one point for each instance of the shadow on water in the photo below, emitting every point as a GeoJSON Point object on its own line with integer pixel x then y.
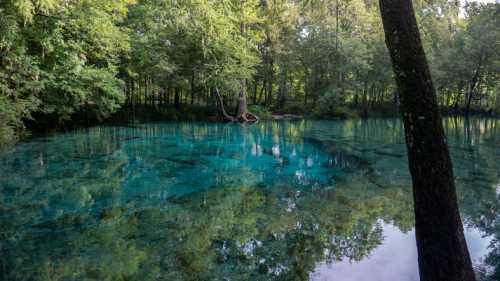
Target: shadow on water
{"type": "Point", "coordinates": [274, 201]}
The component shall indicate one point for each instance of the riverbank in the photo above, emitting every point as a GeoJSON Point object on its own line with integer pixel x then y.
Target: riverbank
{"type": "Point", "coordinates": [46, 124]}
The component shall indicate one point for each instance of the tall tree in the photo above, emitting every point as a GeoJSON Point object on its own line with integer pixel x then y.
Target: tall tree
{"type": "Point", "coordinates": [441, 244]}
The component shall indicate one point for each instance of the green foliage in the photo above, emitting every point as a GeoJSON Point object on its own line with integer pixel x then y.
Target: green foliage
{"type": "Point", "coordinates": [260, 111]}
{"type": "Point", "coordinates": [466, 61]}
{"type": "Point", "coordinates": [11, 115]}
{"type": "Point", "coordinates": [68, 59]}
{"type": "Point", "coordinates": [60, 58]}
{"type": "Point", "coordinates": [325, 112]}
{"type": "Point", "coordinates": [331, 105]}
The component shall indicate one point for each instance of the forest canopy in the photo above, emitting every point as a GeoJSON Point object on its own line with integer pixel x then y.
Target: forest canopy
{"type": "Point", "coordinates": [324, 59]}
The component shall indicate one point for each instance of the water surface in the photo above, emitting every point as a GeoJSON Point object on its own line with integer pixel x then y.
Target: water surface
{"type": "Point", "coordinates": [305, 200]}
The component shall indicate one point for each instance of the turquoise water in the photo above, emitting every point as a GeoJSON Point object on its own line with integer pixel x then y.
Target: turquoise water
{"type": "Point", "coordinates": [304, 200]}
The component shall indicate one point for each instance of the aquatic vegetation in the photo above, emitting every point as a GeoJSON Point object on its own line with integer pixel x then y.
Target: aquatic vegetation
{"type": "Point", "coordinates": [200, 201]}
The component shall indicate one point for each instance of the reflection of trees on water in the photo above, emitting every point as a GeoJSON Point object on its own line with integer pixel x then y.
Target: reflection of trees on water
{"type": "Point", "coordinates": [482, 202]}
{"type": "Point", "coordinates": [77, 226]}
{"type": "Point", "coordinates": [474, 147]}
{"type": "Point", "coordinates": [241, 233]}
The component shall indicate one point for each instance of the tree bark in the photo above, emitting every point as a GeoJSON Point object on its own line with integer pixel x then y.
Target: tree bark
{"type": "Point", "coordinates": [242, 110]}
{"type": "Point", "coordinates": [242, 99]}
{"type": "Point", "coordinates": [442, 248]}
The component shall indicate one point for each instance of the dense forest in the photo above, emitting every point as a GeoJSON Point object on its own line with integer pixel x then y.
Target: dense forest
{"type": "Point", "coordinates": [87, 60]}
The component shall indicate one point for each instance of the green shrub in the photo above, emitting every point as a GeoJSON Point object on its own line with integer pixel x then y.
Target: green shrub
{"type": "Point", "coordinates": [322, 112]}
{"type": "Point", "coordinates": [295, 107]}
{"type": "Point", "coordinates": [331, 105]}
{"type": "Point", "coordinates": [12, 113]}
{"type": "Point", "coordinates": [260, 111]}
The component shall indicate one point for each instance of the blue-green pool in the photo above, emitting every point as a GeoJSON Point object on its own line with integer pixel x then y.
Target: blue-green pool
{"type": "Point", "coordinates": [302, 200]}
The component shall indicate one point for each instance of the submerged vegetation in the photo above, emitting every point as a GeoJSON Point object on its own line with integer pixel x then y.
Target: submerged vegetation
{"type": "Point", "coordinates": [185, 201]}
{"type": "Point", "coordinates": [85, 60]}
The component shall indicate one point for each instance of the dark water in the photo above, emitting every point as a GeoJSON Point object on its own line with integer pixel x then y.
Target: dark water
{"type": "Point", "coordinates": [308, 200]}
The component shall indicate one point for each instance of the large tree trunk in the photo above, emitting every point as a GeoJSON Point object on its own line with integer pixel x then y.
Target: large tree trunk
{"type": "Point", "coordinates": [243, 113]}
{"type": "Point", "coordinates": [442, 248]}
{"type": "Point", "coordinates": [242, 109]}
{"type": "Point", "coordinates": [242, 100]}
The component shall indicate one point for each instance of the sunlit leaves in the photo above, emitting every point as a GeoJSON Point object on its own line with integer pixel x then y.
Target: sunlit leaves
{"type": "Point", "coordinates": [28, 8]}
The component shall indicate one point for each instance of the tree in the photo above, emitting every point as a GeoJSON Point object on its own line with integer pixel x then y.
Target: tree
{"type": "Point", "coordinates": [64, 62]}
{"type": "Point", "coordinates": [441, 244]}
{"type": "Point", "coordinates": [58, 59]}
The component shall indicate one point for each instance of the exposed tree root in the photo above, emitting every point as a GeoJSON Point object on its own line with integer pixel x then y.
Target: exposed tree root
{"type": "Point", "coordinates": [250, 117]}
{"type": "Point", "coordinates": [223, 109]}
{"type": "Point", "coordinates": [246, 116]}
